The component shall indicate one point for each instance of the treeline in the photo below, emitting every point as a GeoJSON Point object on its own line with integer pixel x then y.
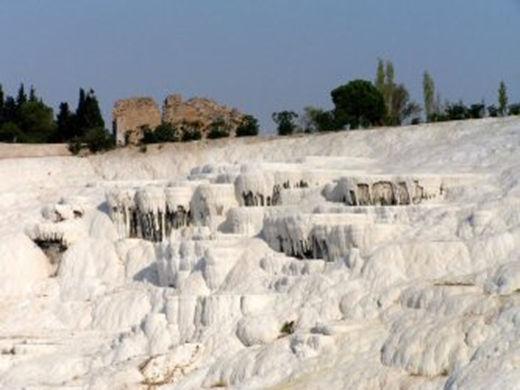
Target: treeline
{"type": "Point", "coordinates": [386, 102]}
{"type": "Point", "coordinates": [25, 118]}
{"type": "Point", "coordinates": [359, 104]}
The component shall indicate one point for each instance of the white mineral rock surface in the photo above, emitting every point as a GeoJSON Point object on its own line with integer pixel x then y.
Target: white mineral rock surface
{"type": "Point", "coordinates": [381, 259]}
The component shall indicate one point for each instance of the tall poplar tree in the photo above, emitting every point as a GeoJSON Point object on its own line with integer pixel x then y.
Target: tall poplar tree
{"type": "Point", "coordinates": [502, 99]}
{"type": "Point", "coordinates": [429, 96]}
{"type": "Point", "coordinates": [380, 76]}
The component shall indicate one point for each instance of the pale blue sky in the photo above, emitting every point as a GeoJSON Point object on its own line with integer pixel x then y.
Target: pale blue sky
{"type": "Point", "coordinates": [258, 55]}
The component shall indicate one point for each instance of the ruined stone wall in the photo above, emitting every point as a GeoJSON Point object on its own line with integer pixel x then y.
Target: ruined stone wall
{"type": "Point", "coordinates": [131, 115]}
{"type": "Point", "coordinates": [199, 113]}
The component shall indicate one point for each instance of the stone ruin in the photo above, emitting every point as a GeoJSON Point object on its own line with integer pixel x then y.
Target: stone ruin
{"type": "Point", "coordinates": [131, 116]}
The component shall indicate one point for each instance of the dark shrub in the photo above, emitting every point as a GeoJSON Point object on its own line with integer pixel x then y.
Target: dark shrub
{"type": "Point", "coordinates": [248, 127]}
{"type": "Point", "coordinates": [98, 140]}
{"type": "Point", "coordinates": [165, 132]}
{"type": "Point", "coordinates": [191, 135]}
{"type": "Point", "coordinates": [457, 111]}
{"type": "Point", "coordinates": [218, 129]}
{"type": "Point", "coordinates": [514, 109]}
{"type": "Point", "coordinates": [477, 111]}
{"type": "Point", "coordinates": [75, 145]}
{"type": "Point", "coordinates": [493, 111]}
{"type": "Point", "coordinates": [218, 132]}
{"type": "Point", "coordinates": [285, 122]}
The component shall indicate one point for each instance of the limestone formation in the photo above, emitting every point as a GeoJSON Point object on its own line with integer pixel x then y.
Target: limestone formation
{"type": "Point", "coordinates": [130, 116]}
{"type": "Point", "coordinates": [382, 259]}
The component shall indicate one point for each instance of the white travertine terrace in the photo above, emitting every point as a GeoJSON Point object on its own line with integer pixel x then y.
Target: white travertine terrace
{"type": "Point", "coordinates": [382, 259]}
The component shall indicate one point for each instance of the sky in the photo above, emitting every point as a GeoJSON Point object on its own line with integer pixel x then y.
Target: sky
{"type": "Point", "coordinates": [260, 56]}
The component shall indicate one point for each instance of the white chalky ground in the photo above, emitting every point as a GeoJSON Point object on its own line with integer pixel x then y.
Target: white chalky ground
{"type": "Point", "coordinates": [382, 259]}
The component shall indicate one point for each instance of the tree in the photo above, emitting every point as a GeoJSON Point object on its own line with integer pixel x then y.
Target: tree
{"type": "Point", "coordinates": [493, 111]}
{"type": "Point", "coordinates": [65, 123]}
{"type": "Point", "coordinates": [358, 103]}
{"type": "Point", "coordinates": [1, 103]}
{"type": "Point", "coordinates": [325, 121]}
{"type": "Point", "coordinates": [514, 109]}
{"type": "Point", "coordinates": [380, 75]}
{"type": "Point", "coordinates": [219, 129]}
{"type": "Point", "coordinates": [397, 99]}
{"type": "Point", "coordinates": [502, 99]}
{"type": "Point", "coordinates": [389, 87]}
{"type": "Point", "coordinates": [247, 127]}
{"type": "Point", "coordinates": [401, 108]}
{"type": "Point", "coordinates": [385, 83]}
{"type": "Point", "coordinates": [285, 122]}
{"type": "Point", "coordinates": [97, 140]}
{"type": "Point", "coordinates": [21, 98]}
{"type": "Point", "coordinates": [9, 132]}
{"type": "Point", "coordinates": [457, 111]}
{"type": "Point", "coordinates": [10, 110]}
{"type": "Point", "coordinates": [477, 111]}
{"type": "Point", "coordinates": [191, 134]}
{"type": "Point", "coordinates": [316, 119]}
{"type": "Point", "coordinates": [36, 121]}
{"type": "Point", "coordinates": [32, 94]}
{"type": "Point", "coordinates": [165, 132]}
{"type": "Point", "coordinates": [81, 102]}
{"type": "Point", "coordinates": [429, 96]}
{"type": "Point", "coordinates": [88, 114]}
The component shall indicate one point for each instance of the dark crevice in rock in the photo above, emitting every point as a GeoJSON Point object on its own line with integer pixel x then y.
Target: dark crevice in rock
{"type": "Point", "coordinates": [54, 250]}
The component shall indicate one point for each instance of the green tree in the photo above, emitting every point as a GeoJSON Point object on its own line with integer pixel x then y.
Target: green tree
{"type": "Point", "coordinates": [247, 127]}
{"type": "Point", "coordinates": [502, 99]}
{"type": "Point", "coordinates": [401, 108]}
{"type": "Point", "coordinates": [380, 76]}
{"type": "Point", "coordinates": [457, 111]}
{"type": "Point", "coordinates": [36, 121]}
{"type": "Point", "coordinates": [429, 96]}
{"type": "Point", "coordinates": [477, 110]}
{"type": "Point", "coordinates": [32, 94]}
{"type": "Point", "coordinates": [514, 109]}
{"type": "Point", "coordinates": [493, 111]}
{"type": "Point", "coordinates": [1, 102]}
{"type": "Point", "coordinates": [316, 119]}
{"type": "Point", "coordinates": [21, 98]}
{"type": "Point", "coordinates": [219, 129]}
{"type": "Point", "coordinates": [88, 114]}
{"type": "Point", "coordinates": [10, 110]}
{"type": "Point", "coordinates": [385, 83]}
{"type": "Point", "coordinates": [98, 139]}
{"type": "Point", "coordinates": [165, 132]}
{"type": "Point", "coordinates": [191, 134]}
{"type": "Point", "coordinates": [65, 122]}
{"type": "Point", "coordinates": [397, 99]}
{"type": "Point", "coordinates": [285, 122]}
{"type": "Point", "coordinates": [308, 119]}
{"type": "Point", "coordinates": [389, 86]}
{"type": "Point", "coordinates": [358, 103]}
{"type": "Point", "coordinates": [10, 132]}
